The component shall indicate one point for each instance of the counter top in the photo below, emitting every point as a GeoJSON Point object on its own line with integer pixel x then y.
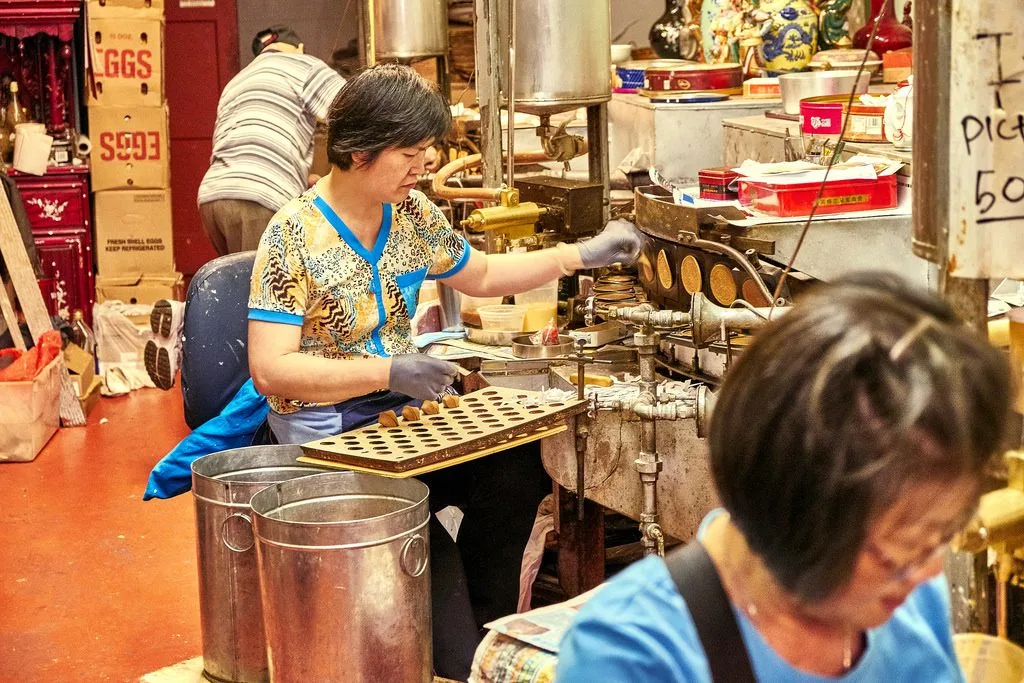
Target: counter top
{"type": "Point", "coordinates": [777, 128]}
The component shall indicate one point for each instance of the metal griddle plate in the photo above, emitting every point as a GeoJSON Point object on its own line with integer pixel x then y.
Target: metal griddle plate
{"type": "Point", "coordinates": [484, 419]}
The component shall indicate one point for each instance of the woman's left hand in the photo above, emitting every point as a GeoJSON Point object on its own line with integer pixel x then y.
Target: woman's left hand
{"type": "Point", "coordinates": [619, 242]}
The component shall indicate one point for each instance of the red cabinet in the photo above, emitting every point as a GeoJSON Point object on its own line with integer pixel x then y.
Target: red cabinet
{"type": "Point", "coordinates": [38, 49]}
{"type": "Point", "coordinates": [66, 260]}
{"type": "Point", "coordinates": [57, 205]}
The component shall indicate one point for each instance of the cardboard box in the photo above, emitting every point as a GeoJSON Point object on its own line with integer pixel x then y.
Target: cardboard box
{"type": "Point", "coordinates": [31, 413]}
{"type": "Point", "coordinates": [91, 397]}
{"type": "Point", "coordinates": [81, 367]}
{"type": "Point", "coordinates": [129, 148]}
{"type": "Point", "coordinates": [139, 288]}
{"type": "Point", "coordinates": [127, 60]}
{"type": "Point", "coordinates": [133, 232]}
{"type": "Point", "coordinates": [119, 8]}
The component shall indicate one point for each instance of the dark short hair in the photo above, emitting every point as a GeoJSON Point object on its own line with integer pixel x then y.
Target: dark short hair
{"type": "Point", "coordinates": [869, 385]}
{"type": "Point", "coordinates": [275, 34]}
{"type": "Point", "coordinates": [385, 106]}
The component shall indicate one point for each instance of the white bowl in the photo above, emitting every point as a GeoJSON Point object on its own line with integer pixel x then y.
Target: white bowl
{"type": "Point", "coordinates": [621, 53]}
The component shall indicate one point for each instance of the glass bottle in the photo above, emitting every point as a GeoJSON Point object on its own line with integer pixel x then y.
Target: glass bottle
{"type": "Point", "coordinates": [14, 114]}
{"type": "Point", "coordinates": [81, 333]}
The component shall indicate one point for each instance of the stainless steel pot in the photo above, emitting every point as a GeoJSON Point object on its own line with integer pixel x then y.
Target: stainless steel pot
{"type": "Point", "coordinates": [345, 578]}
{"type": "Point", "coordinates": [562, 56]}
{"type": "Point", "coordinates": [798, 86]}
{"type": "Point", "coordinates": [404, 29]}
{"type": "Point", "coordinates": [229, 594]}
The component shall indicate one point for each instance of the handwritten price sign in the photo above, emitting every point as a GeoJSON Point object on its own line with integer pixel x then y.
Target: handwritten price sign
{"type": "Point", "coordinates": [986, 147]}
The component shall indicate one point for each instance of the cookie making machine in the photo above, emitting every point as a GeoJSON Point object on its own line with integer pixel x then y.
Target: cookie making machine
{"type": "Point", "coordinates": [538, 77]}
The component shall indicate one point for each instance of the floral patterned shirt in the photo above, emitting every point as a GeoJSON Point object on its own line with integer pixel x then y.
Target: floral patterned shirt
{"type": "Point", "coordinates": [351, 302]}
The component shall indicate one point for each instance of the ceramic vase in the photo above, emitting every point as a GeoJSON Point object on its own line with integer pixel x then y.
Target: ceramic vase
{"type": "Point", "coordinates": [792, 38]}
{"type": "Point", "coordinates": [892, 35]}
{"type": "Point", "coordinates": [672, 35]}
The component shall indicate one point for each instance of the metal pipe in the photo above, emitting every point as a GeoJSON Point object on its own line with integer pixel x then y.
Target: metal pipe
{"type": "Point", "coordinates": [510, 95]}
{"type": "Point", "coordinates": [648, 464]}
{"type": "Point", "coordinates": [487, 23]}
{"type": "Point", "coordinates": [1001, 615]}
{"type": "Point", "coordinates": [647, 316]}
{"type": "Point", "coordinates": [668, 410]}
{"type": "Point", "coordinates": [676, 410]}
{"type": "Point", "coordinates": [598, 167]}
{"type": "Point", "coordinates": [582, 431]}
{"type": "Point", "coordinates": [487, 194]}
{"type": "Point", "coordinates": [371, 33]}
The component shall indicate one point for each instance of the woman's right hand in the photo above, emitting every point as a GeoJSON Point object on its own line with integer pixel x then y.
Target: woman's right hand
{"type": "Point", "coordinates": [420, 376]}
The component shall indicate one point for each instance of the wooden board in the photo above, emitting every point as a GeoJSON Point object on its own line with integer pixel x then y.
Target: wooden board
{"type": "Point", "coordinates": [484, 418]}
{"type": "Point", "coordinates": [985, 141]}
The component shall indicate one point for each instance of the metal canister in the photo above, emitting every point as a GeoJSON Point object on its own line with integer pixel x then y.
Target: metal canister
{"type": "Point", "coordinates": [229, 594]}
{"type": "Point", "coordinates": [404, 29]}
{"type": "Point", "coordinates": [549, 77]}
{"type": "Point", "coordinates": [345, 578]}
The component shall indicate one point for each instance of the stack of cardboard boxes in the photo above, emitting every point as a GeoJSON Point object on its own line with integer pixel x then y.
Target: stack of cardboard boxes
{"type": "Point", "coordinates": [130, 160]}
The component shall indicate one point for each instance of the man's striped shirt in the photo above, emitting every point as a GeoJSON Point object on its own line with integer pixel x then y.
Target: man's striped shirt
{"type": "Point", "coordinates": [263, 138]}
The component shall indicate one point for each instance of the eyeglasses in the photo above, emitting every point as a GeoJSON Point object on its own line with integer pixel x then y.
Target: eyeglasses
{"type": "Point", "coordinates": [901, 571]}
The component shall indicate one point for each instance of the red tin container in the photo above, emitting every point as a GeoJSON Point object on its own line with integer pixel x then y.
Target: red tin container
{"type": "Point", "coordinates": [824, 116]}
{"type": "Point", "coordinates": [719, 78]}
{"type": "Point", "coordinates": [715, 183]}
{"type": "Point", "coordinates": [842, 196]}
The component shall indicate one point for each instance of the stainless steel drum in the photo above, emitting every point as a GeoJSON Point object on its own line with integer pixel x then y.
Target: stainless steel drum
{"type": "Point", "coordinates": [562, 55]}
{"type": "Point", "coordinates": [229, 597]}
{"type": "Point", "coordinates": [404, 29]}
{"type": "Point", "coordinates": [344, 576]}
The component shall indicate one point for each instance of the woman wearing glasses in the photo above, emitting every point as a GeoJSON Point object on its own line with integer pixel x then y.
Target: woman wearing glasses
{"type": "Point", "coordinates": [847, 448]}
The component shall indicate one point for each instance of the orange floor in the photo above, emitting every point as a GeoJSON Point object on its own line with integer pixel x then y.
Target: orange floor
{"type": "Point", "coordinates": [95, 584]}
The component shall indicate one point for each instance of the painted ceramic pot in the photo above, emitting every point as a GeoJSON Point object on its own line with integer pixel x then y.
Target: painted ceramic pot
{"type": "Point", "coordinates": [673, 35]}
{"type": "Point", "coordinates": [792, 40]}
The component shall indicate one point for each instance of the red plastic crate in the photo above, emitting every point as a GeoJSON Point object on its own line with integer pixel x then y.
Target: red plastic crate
{"type": "Point", "coordinates": [842, 196]}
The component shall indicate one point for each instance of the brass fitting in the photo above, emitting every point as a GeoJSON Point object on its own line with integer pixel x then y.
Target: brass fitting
{"type": "Point", "coordinates": [510, 216]}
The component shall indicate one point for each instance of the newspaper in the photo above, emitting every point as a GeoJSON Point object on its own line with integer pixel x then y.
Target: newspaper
{"type": "Point", "coordinates": [544, 627]}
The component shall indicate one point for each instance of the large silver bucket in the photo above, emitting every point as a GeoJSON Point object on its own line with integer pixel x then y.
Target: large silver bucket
{"type": "Point", "coordinates": [229, 597]}
{"type": "Point", "coordinates": [345, 578]}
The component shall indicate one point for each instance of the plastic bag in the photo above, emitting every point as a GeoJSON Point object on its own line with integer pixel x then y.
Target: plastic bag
{"type": "Point", "coordinates": [30, 363]}
{"type": "Point", "coordinates": [546, 336]}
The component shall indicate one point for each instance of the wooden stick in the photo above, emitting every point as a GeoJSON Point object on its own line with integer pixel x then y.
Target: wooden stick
{"type": "Point", "coordinates": [11, 318]}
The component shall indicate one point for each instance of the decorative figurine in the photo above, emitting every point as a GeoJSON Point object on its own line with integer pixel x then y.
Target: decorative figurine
{"type": "Point", "coordinates": [833, 27]}
{"type": "Point", "coordinates": [729, 25]}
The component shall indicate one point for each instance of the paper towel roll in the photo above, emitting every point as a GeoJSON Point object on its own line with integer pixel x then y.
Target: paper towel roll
{"type": "Point", "coordinates": [83, 147]}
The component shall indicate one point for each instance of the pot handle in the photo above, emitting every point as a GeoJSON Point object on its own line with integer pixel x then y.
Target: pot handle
{"type": "Point", "coordinates": [413, 559]}
{"type": "Point", "coordinates": [224, 537]}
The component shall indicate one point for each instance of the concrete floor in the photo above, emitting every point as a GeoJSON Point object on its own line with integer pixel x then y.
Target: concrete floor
{"type": "Point", "coordinates": [95, 584]}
